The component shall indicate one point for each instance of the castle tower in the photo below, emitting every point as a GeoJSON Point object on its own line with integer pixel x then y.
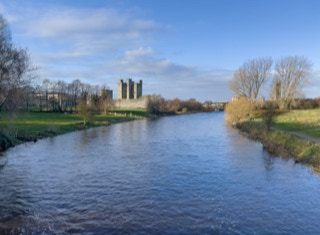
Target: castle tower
{"type": "Point", "coordinates": [122, 90]}
{"type": "Point", "coordinates": [276, 93]}
{"type": "Point", "coordinates": [137, 89]}
{"type": "Point", "coordinates": [129, 89]}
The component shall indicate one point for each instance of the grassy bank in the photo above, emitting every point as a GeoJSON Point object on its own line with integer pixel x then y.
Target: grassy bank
{"type": "Point", "coordinates": [285, 144]}
{"type": "Point", "coordinates": [300, 121]}
{"type": "Point", "coordinates": [31, 126]}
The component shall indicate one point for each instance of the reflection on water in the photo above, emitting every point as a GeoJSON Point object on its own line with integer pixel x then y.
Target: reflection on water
{"type": "Point", "coordinates": [175, 175]}
{"type": "Point", "coordinates": [3, 160]}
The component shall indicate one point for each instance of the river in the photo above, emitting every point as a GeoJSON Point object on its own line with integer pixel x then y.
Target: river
{"type": "Point", "coordinates": [189, 174]}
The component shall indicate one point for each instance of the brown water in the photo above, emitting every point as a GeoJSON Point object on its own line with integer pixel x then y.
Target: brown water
{"type": "Point", "coordinates": [175, 175]}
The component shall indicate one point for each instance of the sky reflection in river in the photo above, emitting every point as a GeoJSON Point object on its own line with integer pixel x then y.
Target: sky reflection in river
{"type": "Point", "coordinates": [174, 175]}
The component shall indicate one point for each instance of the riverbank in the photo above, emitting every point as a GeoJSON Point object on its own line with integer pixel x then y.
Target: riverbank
{"type": "Point", "coordinates": [285, 144]}
{"type": "Point", "coordinates": [31, 126]}
{"type": "Point", "coordinates": [152, 174]}
{"type": "Point", "coordinates": [24, 127]}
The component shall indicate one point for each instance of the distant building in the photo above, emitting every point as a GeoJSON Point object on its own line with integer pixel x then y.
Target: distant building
{"type": "Point", "coordinates": [130, 95]}
{"type": "Point", "coordinates": [129, 89]}
{"type": "Point", "coordinates": [106, 93]}
{"type": "Point", "coordinates": [276, 94]}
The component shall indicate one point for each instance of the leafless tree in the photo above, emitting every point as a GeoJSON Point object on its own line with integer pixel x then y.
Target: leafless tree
{"type": "Point", "coordinates": [29, 93]}
{"type": "Point", "coordinates": [106, 101]}
{"type": "Point", "coordinates": [87, 103]}
{"type": "Point", "coordinates": [46, 89]}
{"type": "Point", "coordinates": [250, 77]}
{"type": "Point", "coordinates": [155, 104]}
{"type": "Point", "coordinates": [62, 98]}
{"type": "Point", "coordinates": [74, 90]}
{"type": "Point", "coordinates": [291, 74]}
{"type": "Point", "coordinates": [14, 64]}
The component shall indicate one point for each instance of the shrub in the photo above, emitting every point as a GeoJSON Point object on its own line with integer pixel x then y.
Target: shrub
{"type": "Point", "coordinates": [269, 114]}
{"type": "Point", "coordinates": [155, 103]}
{"type": "Point", "coordinates": [306, 104]}
{"type": "Point", "coordinates": [238, 109]}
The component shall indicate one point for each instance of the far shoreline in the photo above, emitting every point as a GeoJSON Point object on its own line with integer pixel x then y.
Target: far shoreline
{"type": "Point", "coordinates": [10, 139]}
{"type": "Point", "coordinates": [31, 134]}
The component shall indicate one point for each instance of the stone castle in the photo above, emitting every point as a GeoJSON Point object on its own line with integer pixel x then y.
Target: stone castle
{"type": "Point", "coordinates": [129, 89]}
{"type": "Point", "coordinates": [130, 95]}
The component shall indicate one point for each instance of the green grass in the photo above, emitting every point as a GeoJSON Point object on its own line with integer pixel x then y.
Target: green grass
{"type": "Point", "coordinates": [301, 121]}
{"type": "Point", "coordinates": [44, 124]}
{"type": "Point", "coordinates": [34, 122]}
{"type": "Point", "coordinates": [284, 144]}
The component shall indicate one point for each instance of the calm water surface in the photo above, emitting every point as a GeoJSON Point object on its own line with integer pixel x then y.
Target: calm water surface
{"type": "Point", "coordinates": [175, 175]}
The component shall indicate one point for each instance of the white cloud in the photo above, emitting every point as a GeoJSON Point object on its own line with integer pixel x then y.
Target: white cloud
{"type": "Point", "coordinates": [170, 79]}
{"type": "Point", "coordinates": [61, 35]}
{"type": "Point", "coordinates": [145, 62]}
{"type": "Point", "coordinates": [88, 29]}
{"type": "Point", "coordinates": [98, 44]}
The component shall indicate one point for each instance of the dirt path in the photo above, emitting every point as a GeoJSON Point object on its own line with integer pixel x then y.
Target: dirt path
{"type": "Point", "coordinates": [304, 136]}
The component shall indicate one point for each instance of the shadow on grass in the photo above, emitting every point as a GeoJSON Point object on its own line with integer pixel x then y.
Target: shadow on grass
{"type": "Point", "coordinates": [308, 129]}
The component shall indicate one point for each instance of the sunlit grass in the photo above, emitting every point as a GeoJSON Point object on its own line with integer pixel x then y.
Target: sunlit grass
{"type": "Point", "coordinates": [44, 124]}
{"type": "Point", "coordinates": [284, 144]}
{"type": "Point", "coordinates": [302, 121]}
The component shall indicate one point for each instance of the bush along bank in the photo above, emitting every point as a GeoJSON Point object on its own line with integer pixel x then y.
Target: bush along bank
{"type": "Point", "coordinates": [283, 144]}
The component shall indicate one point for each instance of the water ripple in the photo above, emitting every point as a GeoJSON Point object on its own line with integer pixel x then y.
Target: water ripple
{"type": "Point", "coordinates": [176, 175]}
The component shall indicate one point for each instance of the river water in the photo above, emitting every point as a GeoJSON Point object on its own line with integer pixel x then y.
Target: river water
{"type": "Point", "coordinates": [188, 174]}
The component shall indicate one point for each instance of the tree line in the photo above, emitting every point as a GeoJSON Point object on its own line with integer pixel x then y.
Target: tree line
{"type": "Point", "coordinates": [15, 69]}
{"type": "Point", "coordinates": [18, 89]}
{"type": "Point", "coordinates": [286, 80]}
{"type": "Point", "coordinates": [65, 97]}
{"type": "Point", "coordinates": [158, 105]}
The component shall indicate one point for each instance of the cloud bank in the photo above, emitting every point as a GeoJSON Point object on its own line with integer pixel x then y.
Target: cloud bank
{"type": "Point", "coordinates": [99, 46]}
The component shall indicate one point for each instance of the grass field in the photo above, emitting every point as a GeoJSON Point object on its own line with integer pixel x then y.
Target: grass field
{"type": "Point", "coordinates": [282, 142]}
{"type": "Point", "coordinates": [36, 125]}
{"type": "Point", "coordinates": [301, 121]}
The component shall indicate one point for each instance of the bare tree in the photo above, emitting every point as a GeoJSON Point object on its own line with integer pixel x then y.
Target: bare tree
{"type": "Point", "coordinates": [250, 77]}
{"type": "Point", "coordinates": [28, 98]}
{"type": "Point", "coordinates": [47, 88]}
{"type": "Point", "coordinates": [291, 74]}
{"type": "Point", "coordinates": [14, 64]}
{"type": "Point", "coordinates": [74, 90]}
{"type": "Point", "coordinates": [87, 103]}
{"type": "Point", "coordinates": [61, 92]}
{"type": "Point", "coordinates": [106, 102]}
{"type": "Point", "coordinates": [155, 104]}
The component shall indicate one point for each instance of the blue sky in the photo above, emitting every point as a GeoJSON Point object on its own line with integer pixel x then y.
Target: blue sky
{"type": "Point", "coordinates": [185, 49]}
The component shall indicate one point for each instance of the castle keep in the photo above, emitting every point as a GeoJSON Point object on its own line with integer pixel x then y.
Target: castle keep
{"type": "Point", "coordinates": [130, 95]}
{"type": "Point", "coordinates": [129, 89]}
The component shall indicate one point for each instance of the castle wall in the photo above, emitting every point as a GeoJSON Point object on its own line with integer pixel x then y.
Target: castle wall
{"type": "Point", "coordinates": [140, 103]}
